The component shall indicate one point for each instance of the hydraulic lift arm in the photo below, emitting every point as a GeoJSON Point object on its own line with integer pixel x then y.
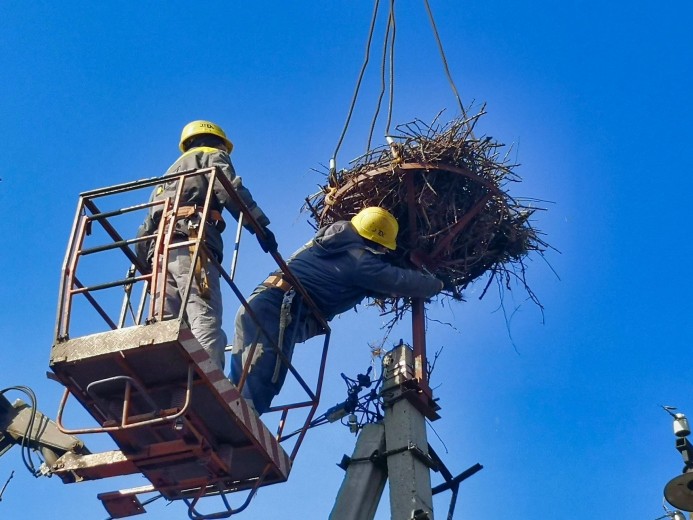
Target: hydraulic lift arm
{"type": "Point", "coordinates": [23, 425]}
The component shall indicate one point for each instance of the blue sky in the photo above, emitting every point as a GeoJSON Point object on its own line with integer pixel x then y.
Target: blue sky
{"type": "Point", "coordinates": [595, 97]}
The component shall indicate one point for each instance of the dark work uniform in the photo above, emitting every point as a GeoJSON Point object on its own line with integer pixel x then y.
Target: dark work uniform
{"type": "Point", "coordinates": [338, 269]}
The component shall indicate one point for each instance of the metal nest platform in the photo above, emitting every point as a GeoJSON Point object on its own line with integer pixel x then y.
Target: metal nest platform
{"type": "Point", "coordinates": [448, 191]}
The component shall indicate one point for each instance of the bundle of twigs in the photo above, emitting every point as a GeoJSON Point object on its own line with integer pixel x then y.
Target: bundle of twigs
{"type": "Point", "coordinates": [447, 190]}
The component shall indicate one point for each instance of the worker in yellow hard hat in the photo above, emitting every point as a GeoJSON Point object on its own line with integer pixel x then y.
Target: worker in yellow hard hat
{"type": "Point", "coordinates": [339, 267]}
{"type": "Point", "coordinates": [203, 145]}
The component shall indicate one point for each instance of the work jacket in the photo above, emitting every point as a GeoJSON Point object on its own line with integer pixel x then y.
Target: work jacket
{"type": "Point", "coordinates": [194, 193]}
{"type": "Point", "coordinates": [339, 269]}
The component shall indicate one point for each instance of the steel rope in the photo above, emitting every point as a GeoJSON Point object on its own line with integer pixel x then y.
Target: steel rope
{"type": "Point", "coordinates": [445, 61]}
{"type": "Point", "coordinates": [391, 100]}
{"type": "Point", "coordinates": [389, 44]}
{"type": "Point", "coordinates": [383, 68]}
{"type": "Point", "coordinates": [358, 84]}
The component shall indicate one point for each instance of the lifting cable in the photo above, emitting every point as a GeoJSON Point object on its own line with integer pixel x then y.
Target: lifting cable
{"type": "Point", "coordinates": [388, 68]}
{"type": "Point", "coordinates": [333, 161]}
{"type": "Point", "coordinates": [391, 100]}
{"type": "Point", "coordinates": [445, 60]}
{"type": "Point", "coordinates": [388, 45]}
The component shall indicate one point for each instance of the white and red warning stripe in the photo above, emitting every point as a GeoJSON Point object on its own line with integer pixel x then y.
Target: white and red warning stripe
{"type": "Point", "coordinates": [235, 402]}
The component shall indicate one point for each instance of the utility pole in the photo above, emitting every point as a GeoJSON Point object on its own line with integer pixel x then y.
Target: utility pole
{"type": "Point", "coordinates": [396, 448]}
{"type": "Point", "coordinates": [408, 461]}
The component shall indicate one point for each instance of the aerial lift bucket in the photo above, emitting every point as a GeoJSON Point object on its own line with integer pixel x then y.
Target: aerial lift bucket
{"type": "Point", "coordinates": [148, 383]}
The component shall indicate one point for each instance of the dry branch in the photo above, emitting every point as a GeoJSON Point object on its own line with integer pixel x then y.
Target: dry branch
{"type": "Point", "coordinates": [447, 190]}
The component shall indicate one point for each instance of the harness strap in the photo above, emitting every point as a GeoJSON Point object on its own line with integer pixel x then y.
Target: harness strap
{"type": "Point", "coordinates": [284, 321]}
{"type": "Point", "coordinates": [200, 268]}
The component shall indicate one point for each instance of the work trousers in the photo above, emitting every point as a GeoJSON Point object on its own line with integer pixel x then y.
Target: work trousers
{"type": "Point", "coordinates": [203, 315]}
{"type": "Point", "coordinates": [261, 385]}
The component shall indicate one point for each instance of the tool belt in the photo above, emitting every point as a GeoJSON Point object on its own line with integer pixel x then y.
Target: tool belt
{"type": "Point", "coordinates": [214, 216]}
{"type": "Point", "coordinates": [199, 269]}
{"type": "Point", "coordinates": [278, 282]}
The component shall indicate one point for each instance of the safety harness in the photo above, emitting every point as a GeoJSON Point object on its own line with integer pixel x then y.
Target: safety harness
{"type": "Point", "coordinates": [284, 316]}
{"type": "Point", "coordinates": [191, 215]}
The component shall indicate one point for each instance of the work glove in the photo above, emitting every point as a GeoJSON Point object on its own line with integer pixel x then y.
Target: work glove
{"type": "Point", "coordinates": [450, 285]}
{"type": "Point", "coordinates": [448, 282]}
{"type": "Point", "coordinates": [267, 241]}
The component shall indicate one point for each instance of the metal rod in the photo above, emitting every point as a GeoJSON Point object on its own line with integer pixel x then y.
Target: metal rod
{"type": "Point", "coordinates": [147, 422]}
{"type": "Point", "coordinates": [59, 320]}
{"type": "Point", "coordinates": [418, 316]}
{"type": "Point", "coordinates": [127, 281]}
{"type": "Point", "coordinates": [126, 402]}
{"type": "Point", "coordinates": [108, 214]}
{"type": "Point", "coordinates": [195, 252]}
{"type": "Point", "coordinates": [70, 275]}
{"type": "Point", "coordinates": [236, 247]}
{"type": "Point", "coordinates": [114, 245]}
{"type": "Point", "coordinates": [84, 290]}
{"type": "Point", "coordinates": [318, 390]}
{"type": "Point", "coordinates": [115, 235]}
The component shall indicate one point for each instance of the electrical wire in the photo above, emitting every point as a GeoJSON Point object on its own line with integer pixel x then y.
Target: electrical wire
{"type": "Point", "coordinates": [388, 50]}
{"type": "Point", "coordinates": [26, 449]}
{"type": "Point", "coordinates": [7, 482]}
{"type": "Point", "coordinates": [369, 405]}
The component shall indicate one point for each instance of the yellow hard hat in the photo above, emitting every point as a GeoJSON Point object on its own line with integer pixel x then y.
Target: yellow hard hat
{"type": "Point", "coordinates": [202, 127]}
{"type": "Point", "coordinates": [378, 225]}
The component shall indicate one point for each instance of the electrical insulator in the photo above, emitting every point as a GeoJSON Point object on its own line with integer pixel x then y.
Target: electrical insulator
{"type": "Point", "coordinates": [681, 427]}
{"type": "Point", "coordinates": [353, 424]}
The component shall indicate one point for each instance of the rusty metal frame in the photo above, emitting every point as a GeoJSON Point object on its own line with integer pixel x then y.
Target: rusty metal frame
{"type": "Point", "coordinates": [422, 398]}
{"type": "Point", "coordinates": [86, 215]}
{"type": "Point", "coordinates": [162, 416]}
{"type": "Point", "coordinates": [404, 167]}
{"type": "Point", "coordinates": [194, 515]}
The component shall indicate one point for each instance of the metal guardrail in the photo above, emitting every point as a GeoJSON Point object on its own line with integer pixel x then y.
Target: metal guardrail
{"type": "Point", "coordinates": [153, 280]}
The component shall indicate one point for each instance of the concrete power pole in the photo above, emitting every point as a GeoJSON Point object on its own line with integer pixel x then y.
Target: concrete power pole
{"type": "Point", "coordinates": [396, 448]}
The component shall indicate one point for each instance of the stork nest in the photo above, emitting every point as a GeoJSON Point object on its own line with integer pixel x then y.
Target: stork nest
{"type": "Point", "coordinates": [447, 190]}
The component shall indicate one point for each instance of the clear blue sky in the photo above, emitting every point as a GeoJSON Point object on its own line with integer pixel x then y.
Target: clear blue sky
{"type": "Point", "coordinates": [597, 98]}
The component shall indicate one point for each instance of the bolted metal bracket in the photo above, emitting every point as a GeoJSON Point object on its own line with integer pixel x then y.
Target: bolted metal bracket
{"type": "Point", "coordinates": [401, 383]}
{"type": "Point", "coordinates": [420, 514]}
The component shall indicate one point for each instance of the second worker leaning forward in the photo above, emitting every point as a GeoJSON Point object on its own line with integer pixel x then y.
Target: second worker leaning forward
{"type": "Point", "coordinates": [344, 263]}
